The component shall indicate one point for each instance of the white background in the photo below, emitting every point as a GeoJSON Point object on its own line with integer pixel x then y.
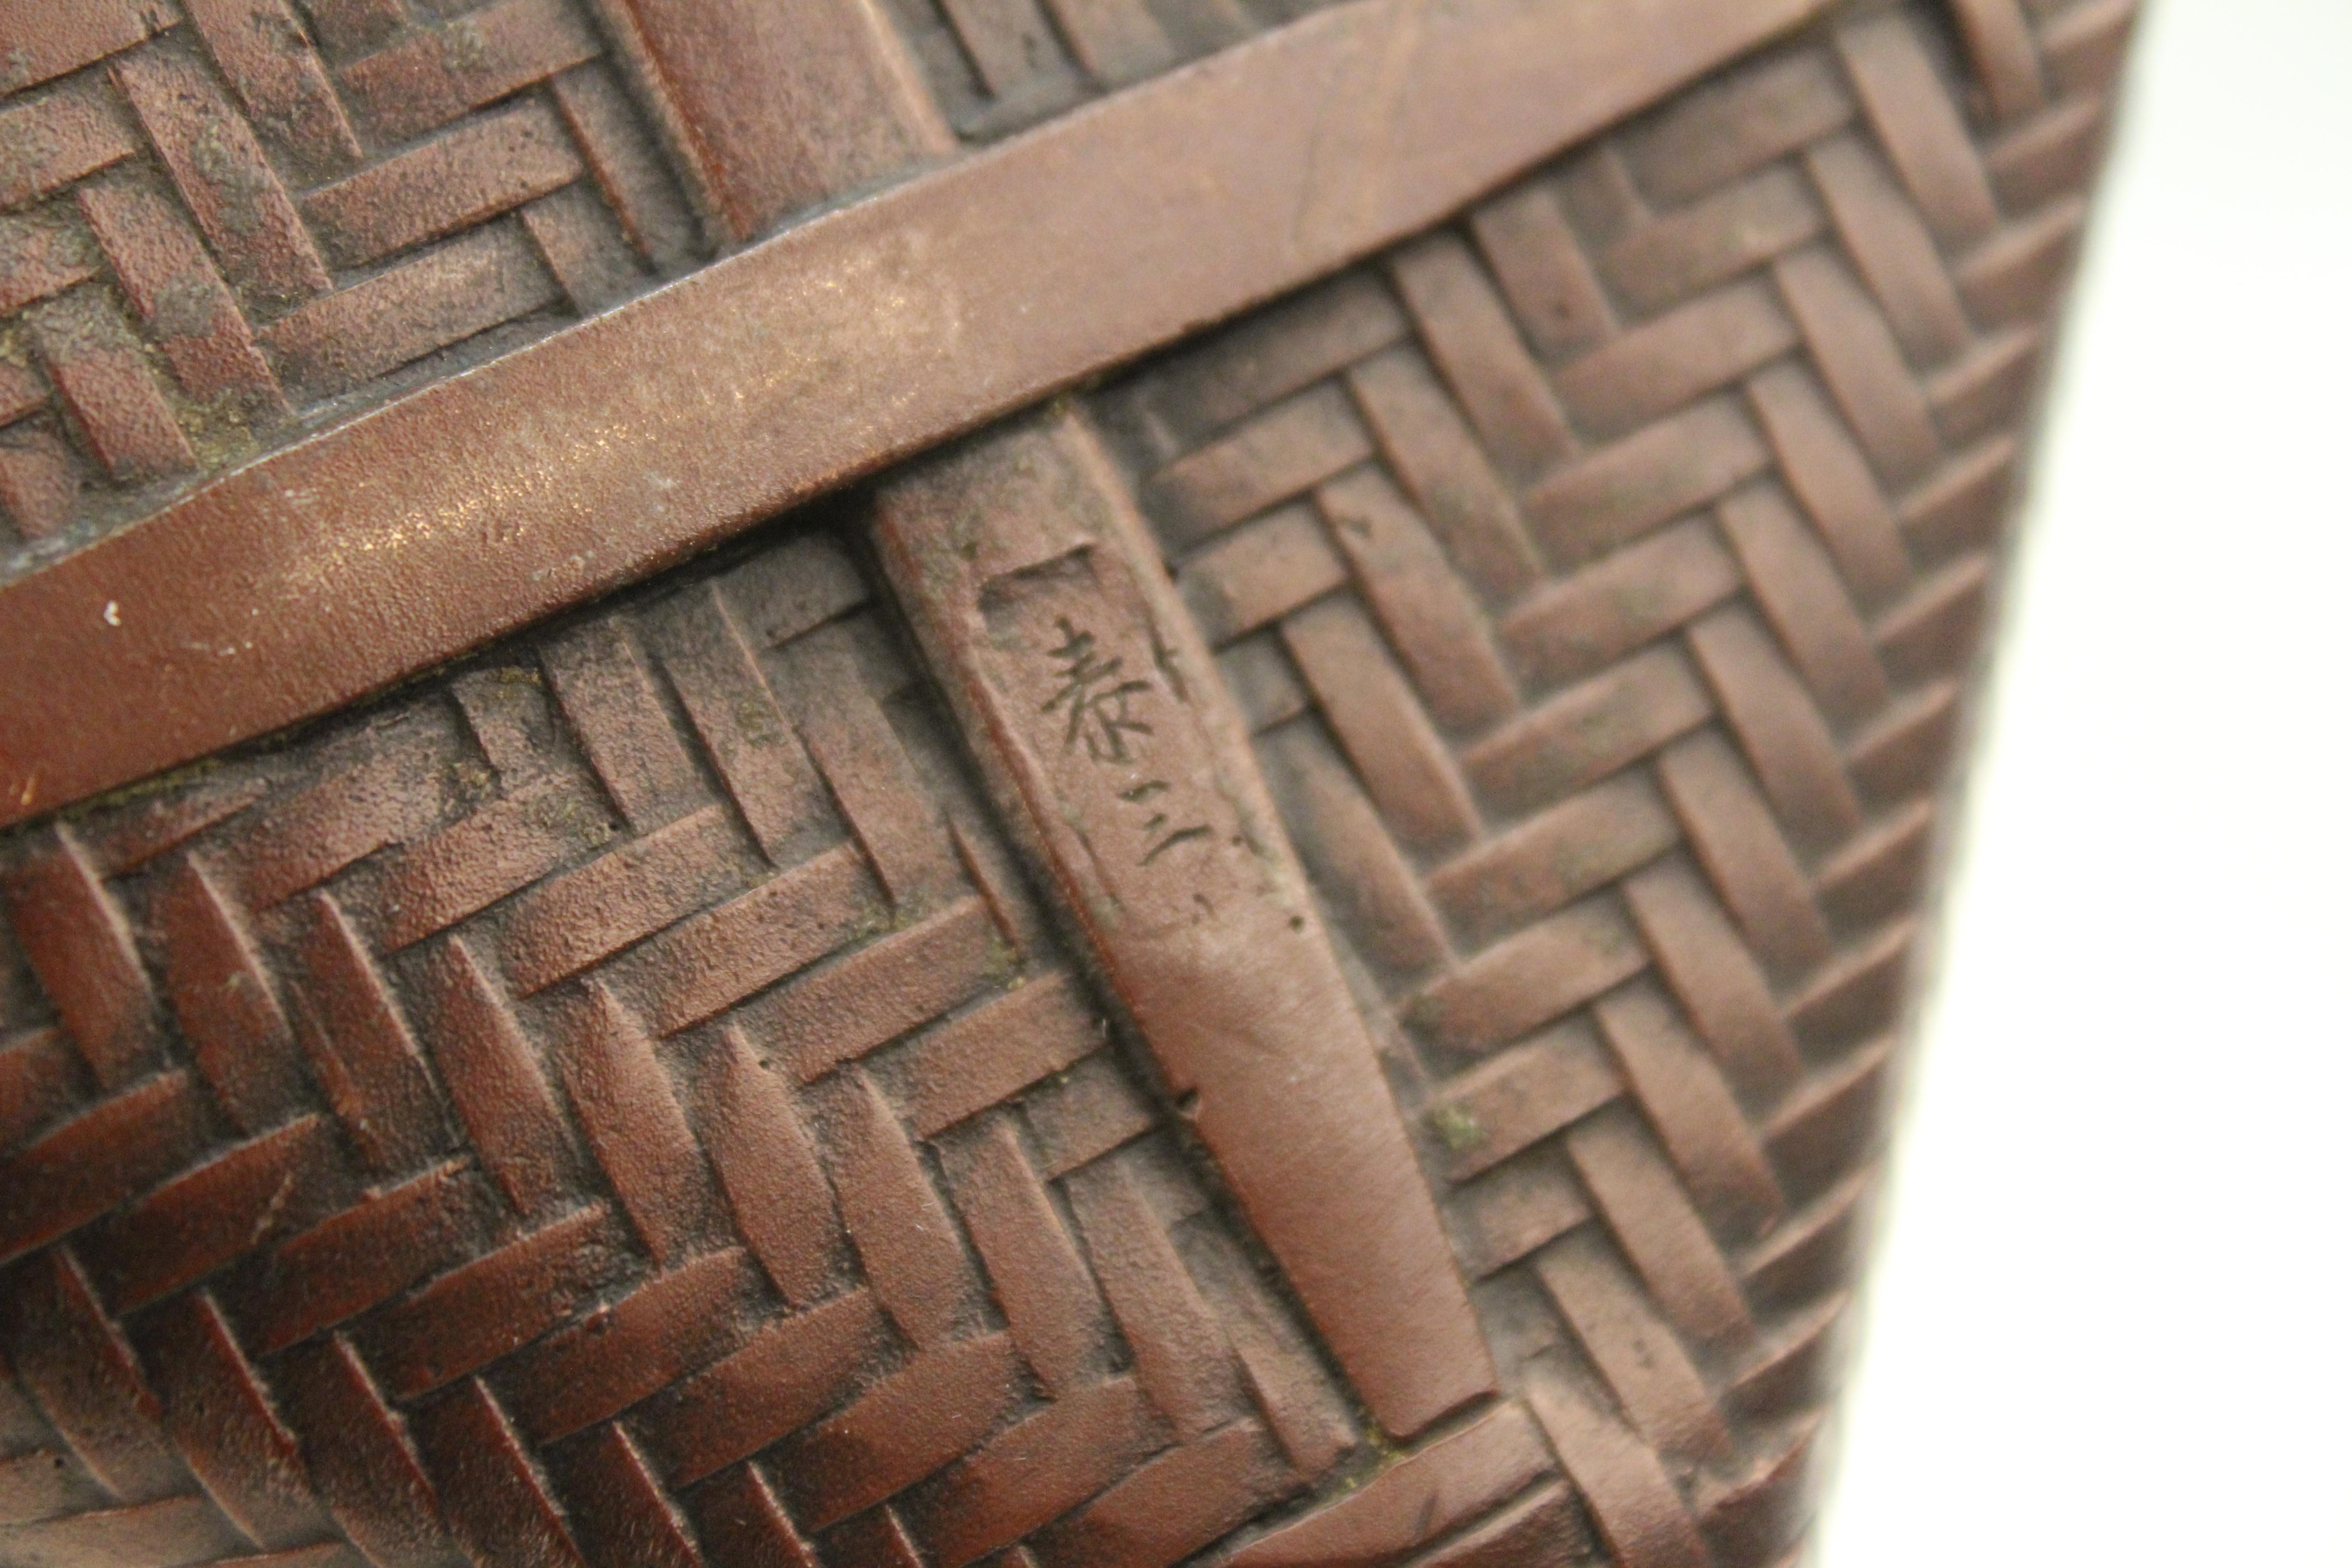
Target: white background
{"type": "Point", "coordinates": [2108, 1319]}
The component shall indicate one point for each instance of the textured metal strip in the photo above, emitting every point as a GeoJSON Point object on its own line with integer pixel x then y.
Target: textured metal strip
{"type": "Point", "coordinates": [484, 503]}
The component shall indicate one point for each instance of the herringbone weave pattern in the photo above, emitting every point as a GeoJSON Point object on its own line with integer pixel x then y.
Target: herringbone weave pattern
{"type": "Point", "coordinates": [618, 1102]}
{"type": "Point", "coordinates": [217, 216]}
{"type": "Point", "coordinates": [1600, 576]}
{"type": "Point", "coordinates": [220, 214]}
{"type": "Point", "coordinates": [428, 1119]}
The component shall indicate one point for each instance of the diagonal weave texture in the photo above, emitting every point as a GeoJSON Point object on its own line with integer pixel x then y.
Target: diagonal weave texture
{"type": "Point", "coordinates": [225, 221]}
{"type": "Point", "coordinates": [220, 216]}
{"type": "Point", "coordinates": [440, 1166]}
{"type": "Point", "coordinates": [619, 1102]}
{"type": "Point", "coordinates": [1601, 577]}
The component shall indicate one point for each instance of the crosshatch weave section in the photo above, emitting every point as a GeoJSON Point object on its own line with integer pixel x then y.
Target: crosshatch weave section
{"type": "Point", "coordinates": [222, 220]}
{"type": "Point", "coordinates": [620, 1100]}
{"type": "Point", "coordinates": [1602, 575]}
{"type": "Point", "coordinates": [618, 1106]}
{"type": "Point", "coordinates": [225, 221]}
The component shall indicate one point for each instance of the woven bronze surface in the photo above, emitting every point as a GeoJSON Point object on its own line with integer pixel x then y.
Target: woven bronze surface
{"type": "Point", "coordinates": [1293, 957]}
{"type": "Point", "coordinates": [235, 221]}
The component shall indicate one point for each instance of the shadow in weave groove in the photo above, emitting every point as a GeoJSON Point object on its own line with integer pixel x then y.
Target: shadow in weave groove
{"type": "Point", "coordinates": [617, 1100]}
{"type": "Point", "coordinates": [450, 1054]}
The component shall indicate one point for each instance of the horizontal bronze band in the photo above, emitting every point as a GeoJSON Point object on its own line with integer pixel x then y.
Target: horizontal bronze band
{"type": "Point", "coordinates": [330, 569]}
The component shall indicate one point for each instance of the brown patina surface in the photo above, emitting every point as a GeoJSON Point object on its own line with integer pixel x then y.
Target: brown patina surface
{"type": "Point", "coordinates": [1253, 897]}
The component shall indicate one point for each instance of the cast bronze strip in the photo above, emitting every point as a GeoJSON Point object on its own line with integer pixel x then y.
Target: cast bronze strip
{"type": "Point", "coordinates": [1090, 701]}
{"type": "Point", "coordinates": [596, 455]}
